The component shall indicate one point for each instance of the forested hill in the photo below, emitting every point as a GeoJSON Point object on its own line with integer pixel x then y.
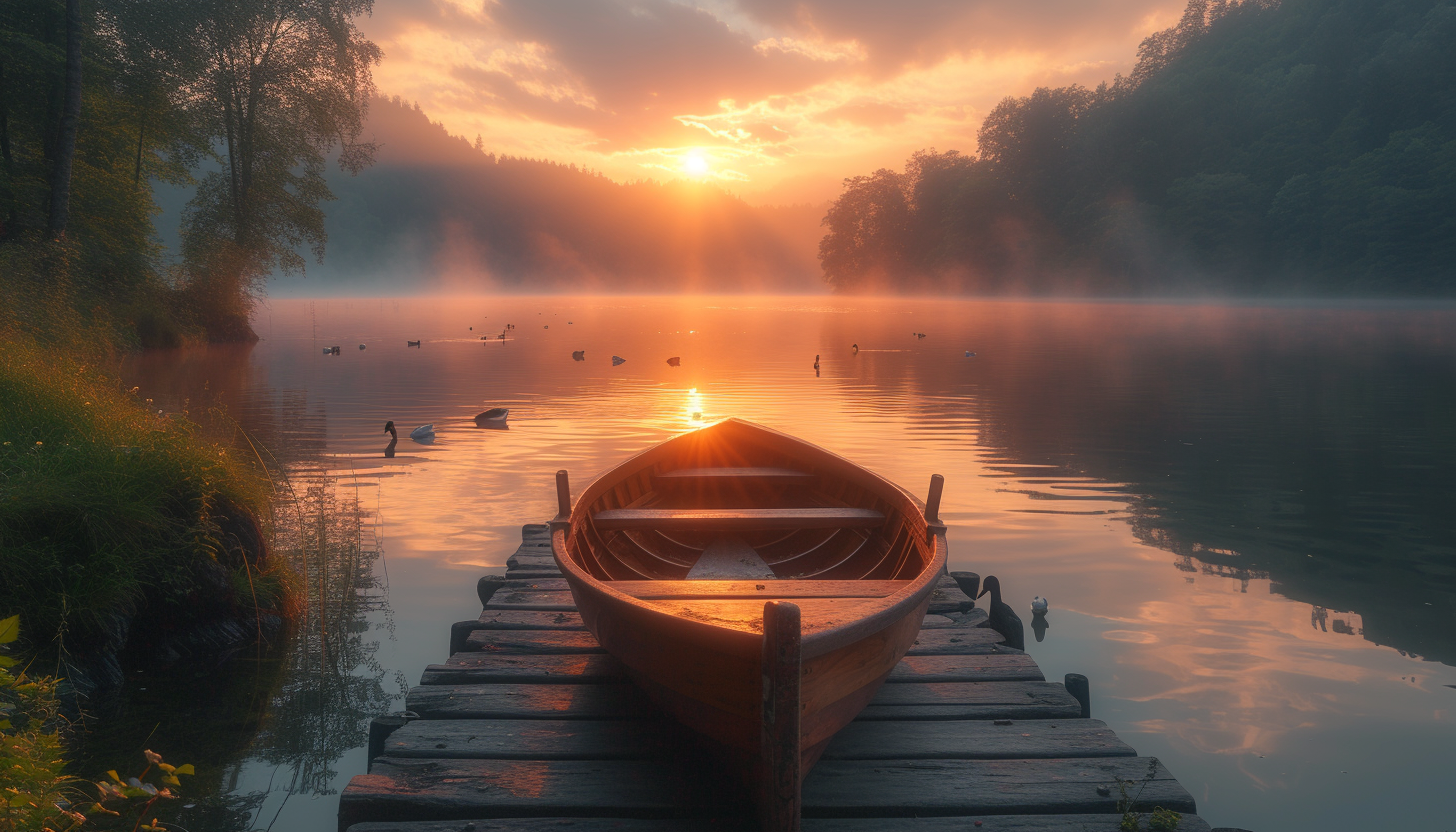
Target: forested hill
{"type": "Point", "coordinates": [436, 212]}
{"type": "Point", "coordinates": [1304, 146]}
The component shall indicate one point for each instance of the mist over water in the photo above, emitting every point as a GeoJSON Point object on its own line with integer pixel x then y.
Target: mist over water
{"type": "Point", "coordinates": [1240, 514]}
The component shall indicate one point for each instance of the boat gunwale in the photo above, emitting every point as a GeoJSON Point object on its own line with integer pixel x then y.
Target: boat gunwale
{"type": "Point", "coordinates": [892, 608]}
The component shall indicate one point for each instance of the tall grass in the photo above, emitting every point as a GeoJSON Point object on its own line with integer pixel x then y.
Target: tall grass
{"type": "Point", "coordinates": [108, 506]}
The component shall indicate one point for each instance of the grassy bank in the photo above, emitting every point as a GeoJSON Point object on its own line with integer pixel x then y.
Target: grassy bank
{"type": "Point", "coordinates": [112, 511]}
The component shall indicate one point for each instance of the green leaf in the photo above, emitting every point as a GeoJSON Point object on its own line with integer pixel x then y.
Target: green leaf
{"type": "Point", "coordinates": [9, 629]}
{"type": "Point", "coordinates": [8, 661]}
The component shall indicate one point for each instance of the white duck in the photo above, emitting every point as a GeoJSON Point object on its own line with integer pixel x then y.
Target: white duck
{"type": "Point", "coordinates": [1039, 606]}
{"type": "Point", "coordinates": [423, 433]}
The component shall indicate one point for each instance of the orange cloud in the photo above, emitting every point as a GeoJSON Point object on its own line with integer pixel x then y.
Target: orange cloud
{"type": "Point", "coordinates": [784, 100]}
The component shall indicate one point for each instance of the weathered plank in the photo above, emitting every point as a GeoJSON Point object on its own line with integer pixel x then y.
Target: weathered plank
{"type": "Point", "coordinates": [617, 700]}
{"type": "Point", "coordinates": [960, 641]}
{"type": "Point", "coordinates": [975, 618]}
{"type": "Point", "coordinates": [936, 622]}
{"type": "Point", "coordinates": [536, 584]}
{"type": "Point", "coordinates": [947, 597]}
{"type": "Point", "coordinates": [532, 560]}
{"type": "Point", "coordinates": [972, 700]}
{"type": "Point", "coordinates": [991, 667]}
{"type": "Point", "coordinates": [493, 619]}
{"type": "Point", "coordinates": [544, 642]}
{"type": "Point", "coordinates": [486, 668]}
{"type": "Point", "coordinates": [989, 823]}
{"type": "Point", "coordinates": [404, 789]}
{"type": "Point", "coordinates": [534, 739]}
{"type": "Point", "coordinates": [861, 788]}
{"type": "Point", "coordinates": [532, 599]}
{"type": "Point", "coordinates": [444, 789]}
{"type": "Point", "coordinates": [531, 574]}
{"type": "Point", "coordinates": [976, 740]}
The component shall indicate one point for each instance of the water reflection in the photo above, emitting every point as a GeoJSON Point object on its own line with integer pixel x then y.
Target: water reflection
{"type": "Point", "coordinates": [1236, 508]}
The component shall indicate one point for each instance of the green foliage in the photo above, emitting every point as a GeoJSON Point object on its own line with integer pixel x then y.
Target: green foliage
{"type": "Point", "coordinates": [36, 794]}
{"type": "Point", "coordinates": [1130, 793]}
{"type": "Point", "coordinates": [1264, 147]}
{"type": "Point", "coordinates": [107, 506]}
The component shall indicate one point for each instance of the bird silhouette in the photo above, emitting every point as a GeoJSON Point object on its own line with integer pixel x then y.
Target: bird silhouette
{"type": "Point", "coordinates": [1003, 619]}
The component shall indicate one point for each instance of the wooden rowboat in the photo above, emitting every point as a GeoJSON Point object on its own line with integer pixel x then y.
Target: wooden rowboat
{"type": "Point", "coordinates": [759, 588]}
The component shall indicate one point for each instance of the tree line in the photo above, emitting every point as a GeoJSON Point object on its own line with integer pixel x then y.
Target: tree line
{"type": "Point", "coordinates": [243, 99]}
{"type": "Point", "coordinates": [1256, 147]}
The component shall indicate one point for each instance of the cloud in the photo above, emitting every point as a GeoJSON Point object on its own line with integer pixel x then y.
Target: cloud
{"type": "Point", "coordinates": [811, 90]}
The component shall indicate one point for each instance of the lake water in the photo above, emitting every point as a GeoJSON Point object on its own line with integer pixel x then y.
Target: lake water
{"type": "Point", "coordinates": [1241, 514]}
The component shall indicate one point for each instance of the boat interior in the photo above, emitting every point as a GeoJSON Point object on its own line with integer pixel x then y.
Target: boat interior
{"type": "Point", "coordinates": [729, 507]}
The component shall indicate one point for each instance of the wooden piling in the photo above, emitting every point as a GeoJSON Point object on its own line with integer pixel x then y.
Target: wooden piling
{"type": "Point", "coordinates": [486, 587]}
{"type": "Point", "coordinates": [932, 506]}
{"type": "Point", "coordinates": [1081, 690]}
{"type": "Point", "coordinates": [563, 501]}
{"type": "Point", "coordinates": [781, 800]}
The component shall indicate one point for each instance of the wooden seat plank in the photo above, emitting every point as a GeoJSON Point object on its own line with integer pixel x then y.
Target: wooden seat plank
{"type": "Point", "coordinates": [971, 700]}
{"type": "Point", "coordinates": [860, 788]}
{"type": "Point", "coordinates": [977, 740]}
{"type": "Point", "coordinates": [532, 641]}
{"type": "Point", "coordinates": [614, 700]}
{"type": "Point", "coordinates": [739, 519]}
{"type": "Point", "coordinates": [485, 668]}
{"type": "Point", "coordinates": [689, 475]}
{"type": "Point", "coordinates": [496, 619]}
{"type": "Point", "coordinates": [989, 823]}
{"type": "Point", "coordinates": [991, 667]}
{"type": "Point", "coordinates": [761, 589]}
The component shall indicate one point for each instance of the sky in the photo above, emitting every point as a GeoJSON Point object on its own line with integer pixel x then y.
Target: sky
{"type": "Point", "coordinates": [776, 101]}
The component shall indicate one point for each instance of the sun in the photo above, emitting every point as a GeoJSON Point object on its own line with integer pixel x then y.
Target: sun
{"type": "Point", "coordinates": [695, 164]}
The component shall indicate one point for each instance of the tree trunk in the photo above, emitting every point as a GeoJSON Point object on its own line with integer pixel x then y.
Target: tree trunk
{"type": "Point", "coordinates": [70, 123]}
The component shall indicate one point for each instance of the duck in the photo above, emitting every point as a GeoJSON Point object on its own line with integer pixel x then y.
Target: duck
{"type": "Point", "coordinates": [495, 417]}
{"type": "Point", "coordinates": [970, 354]}
{"type": "Point", "coordinates": [617, 359]}
{"type": "Point", "coordinates": [361, 346]}
{"type": "Point", "coordinates": [578, 355]}
{"type": "Point", "coordinates": [423, 433]}
{"type": "Point", "coordinates": [675, 361]}
{"type": "Point", "coordinates": [855, 347]}
{"type": "Point", "coordinates": [1003, 619]}
{"type": "Point", "coordinates": [411, 343]}
{"type": "Point", "coordinates": [816, 362]}
{"type": "Point", "coordinates": [389, 429]}
{"type": "Point", "coordinates": [1039, 606]}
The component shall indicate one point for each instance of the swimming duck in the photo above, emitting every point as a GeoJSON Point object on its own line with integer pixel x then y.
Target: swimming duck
{"type": "Point", "coordinates": [578, 355]}
{"type": "Point", "coordinates": [675, 361]}
{"type": "Point", "coordinates": [411, 343]}
{"type": "Point", "coordinates": [855, 347]}
{"type": "Point", "coordinates": [423, 433]}
{"type": "Point", "coordinates": [617, 359]}
{"type": "Point", "coordinates": [1039, 606]}
{"type": "Point", "coordinates": [361, 346]}
{"type": "Point", "coordinates": [389, 429]}
{"type": "Point", "coordinates": [816, 362]}
{"type": "Point", "coordinates": [1003, 619]}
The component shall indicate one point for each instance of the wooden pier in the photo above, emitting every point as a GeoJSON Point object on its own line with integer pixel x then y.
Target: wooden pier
{"type": "Point", "coordinates": [530, 726]}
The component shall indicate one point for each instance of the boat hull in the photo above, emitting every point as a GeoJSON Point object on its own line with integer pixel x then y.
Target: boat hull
{"type": "Point", "coordinates": [696, 647]}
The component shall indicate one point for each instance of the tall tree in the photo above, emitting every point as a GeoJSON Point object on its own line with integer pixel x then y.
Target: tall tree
{"type": "Point", "coordinates": [65, 151]}
{"type": "Point", "coordinates": [285, 82]}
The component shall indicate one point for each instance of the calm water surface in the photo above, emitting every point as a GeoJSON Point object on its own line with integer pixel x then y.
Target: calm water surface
{"type": "Point", "coordinates": [1242, 515]}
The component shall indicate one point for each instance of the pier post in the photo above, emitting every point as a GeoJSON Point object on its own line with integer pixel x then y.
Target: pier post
{"type": "Point", "coordinates": [563, 502]}
{"type": "Point", "coordinates": [780, 802]}
{"type": "Point", "coordinates": [1081, 690]}
{"type": "Point", "coordinates": [969, 583]}
{"type": "Point", "coordinates": [933, 525]}
{"type": "Point", "coordinates": [486, 587]}
{"type": "Point", "coordinates": [380, 728]}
